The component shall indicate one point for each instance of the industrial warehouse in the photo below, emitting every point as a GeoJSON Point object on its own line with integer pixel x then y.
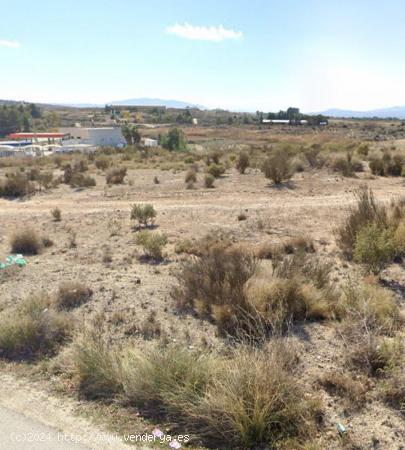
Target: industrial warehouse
{"type": "Point", "coordinates": [67, 140]}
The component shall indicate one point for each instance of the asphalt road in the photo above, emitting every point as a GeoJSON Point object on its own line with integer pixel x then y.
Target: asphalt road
{"type": "Point", "coordinates": [18, 432]}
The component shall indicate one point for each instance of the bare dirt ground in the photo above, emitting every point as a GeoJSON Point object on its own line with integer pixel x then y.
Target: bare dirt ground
{"type": "Point", "coordinates": [127, 291]}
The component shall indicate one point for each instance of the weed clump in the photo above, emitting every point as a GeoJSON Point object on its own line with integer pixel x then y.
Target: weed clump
{"type": "Point", "coordinates": [366, 211]}
{"type": "Point", "coordinates": [34, 330]}
{"type": "Point", "coordinates": [16, 185]}
{"type": "Point", "coordinates": [116, 176]}
{"type": "Point", "coordinates": [242, 163]}
{"type": "Point", "coordinates": [374, 247]}
{"type": "Point", "coordinates": [152, 243]}
{"type": "Point", "coordinates": [71, 295]}
{"type": "Point", "coordinates": [56, 214]}
{"type": "Point", "coordinates": [144, 214]}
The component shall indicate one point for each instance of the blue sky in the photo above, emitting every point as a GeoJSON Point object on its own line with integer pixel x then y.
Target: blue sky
{"type": "Point", "coordinates": [240, 54]}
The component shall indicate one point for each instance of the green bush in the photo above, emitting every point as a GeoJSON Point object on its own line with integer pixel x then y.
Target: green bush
{"type": "Point", "coordinates": [175, 140]}
{"type": "Point", "coordinates": [216, 170]}
{"type": "Point", "coordinates": [209, 181]}
{"type": "Point", "coordinates": [144, 214]}
{"type": "Point", "coordinates": [374, 247]}
{"type": "Point", "coordinates": [152, 243]}
{"type": "Point", "coordinates": [366, 211]}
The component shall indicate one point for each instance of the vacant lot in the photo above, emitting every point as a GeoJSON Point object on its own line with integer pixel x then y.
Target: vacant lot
{"type": "Point", "coordinates": [100, 278]}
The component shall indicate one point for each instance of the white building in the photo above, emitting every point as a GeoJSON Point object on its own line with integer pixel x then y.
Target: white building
{"type": "Point", "coordinates": [148, 142]}
{"type": "Point", "coordinates": [97, 137]}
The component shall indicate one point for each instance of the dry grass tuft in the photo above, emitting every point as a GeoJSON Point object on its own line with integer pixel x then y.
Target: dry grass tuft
{"type": "Point", "coordinates": [97, 366]}
{"type": "Point", "coordinates": [34, 330]}
{"type": "Point", "coordinates": [343, 385]}
{"type": "Point", "coordinates": [71, 295]}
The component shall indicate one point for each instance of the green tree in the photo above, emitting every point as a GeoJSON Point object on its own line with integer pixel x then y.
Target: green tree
{"type": "Point", "coordinates": [131, 134]}
{"type": "Point", "coordinates": [174, 140]}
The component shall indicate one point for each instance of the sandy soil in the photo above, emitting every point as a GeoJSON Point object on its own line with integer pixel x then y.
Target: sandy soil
{"type": "Point", "coordinates": [312, 204]}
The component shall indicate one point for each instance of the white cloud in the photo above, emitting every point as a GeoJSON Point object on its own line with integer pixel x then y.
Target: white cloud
{"type": "Point", "coordinates": [9, 44]}
{"type": "Point", "coordinates": [214, 33]}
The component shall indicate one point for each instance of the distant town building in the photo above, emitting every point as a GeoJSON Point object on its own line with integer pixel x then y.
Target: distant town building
{"type": "Point", "coordinates": [96, 137]}
{"type": "Point", "coordinates": [285, 121]}
{"type": "Point", "coordinates": [148, 142]}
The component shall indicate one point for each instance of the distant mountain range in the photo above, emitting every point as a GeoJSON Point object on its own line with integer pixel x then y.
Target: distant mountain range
{"type": "Point", "coordinates": [396, 111]}
{"type": "Point", "coordinates": [144, 101]}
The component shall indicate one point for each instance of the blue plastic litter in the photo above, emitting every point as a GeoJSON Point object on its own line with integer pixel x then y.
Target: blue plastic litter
{"type": "Point", "coordinates": [11, 260]}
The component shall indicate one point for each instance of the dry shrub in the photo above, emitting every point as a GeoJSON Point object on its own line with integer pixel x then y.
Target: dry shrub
{"type": "Point", "coordinates": [116, 175]}
{"type": "Point", "coordinates": [365, 212]}
{"type": "Point", "coordinates": [387, 165]}
{"type": "Point", "coordinates": [226, 286]}
{"type": "Point", "coordinates": [33, 330]}
{"type": "Point", "coordinates": [16, 185]}
{"type": "Point", "coordinates": [282, 301]}
{"type": "Point", "coordinates": [307, 266]}
{"type": "Point", "coordinates": [26, 241]}
{"type": "Point", "coordinates": [377, 166]}
{"type": "Point", "coordinates": [392, 389]}
{"type": "Point", "coordinates": [191, 177]}
{"type": "Point", "coordinates": [398, 239]}
{"type": "Point", "coordinates": [209, 181]}
{"type": "Point", "coordinates": [375, 355]}
{"type": "Point", "coordinates": [341, 164]}
{"type": "Point", "coordinates": [102, 162]}
{"type": "Point", "coordinates": [278, 167]}
{"type": "Point", "coordinates": [107, 255]}
{"type": "Point", "coordinates": [202, 246]}
{"type": "Point", "coordinates": [242, 163]}
{"type": "Point", "coordinates": [150, 327]}
{"type": "Point", "coordinates": [314, 157]}
{"type": "Point", "coordinates": [72, 294]}
{"type": "Point", "coordinates": [343, 385]}
{"type": "Point", "coordinates": [371, 307]}
{"type": "Point", "coordinates": [213, 286]}
{"type": "Point", "coordinates": [56, 214]}
{"type": "Point", "coordinates": [346, 165]}
{"type": "Point", "coordinates": [78, 180]}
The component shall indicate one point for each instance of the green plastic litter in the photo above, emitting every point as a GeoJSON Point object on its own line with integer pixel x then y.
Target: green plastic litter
{"type": "Point", "coordinates": [18, 260]}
